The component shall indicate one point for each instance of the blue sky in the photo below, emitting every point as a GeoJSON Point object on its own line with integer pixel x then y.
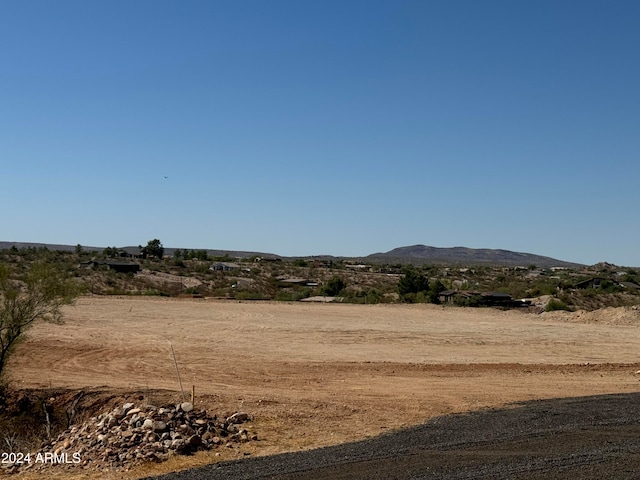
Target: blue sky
{"type": "Point", "coordinates": [333, 127]}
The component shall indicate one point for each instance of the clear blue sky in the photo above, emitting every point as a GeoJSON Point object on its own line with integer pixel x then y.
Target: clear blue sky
{"type": "Point", "coordinates": [323, 127]}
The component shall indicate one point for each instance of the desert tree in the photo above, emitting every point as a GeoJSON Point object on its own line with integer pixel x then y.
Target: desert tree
{"type": "Point", "coordinates": [110, 252]}
{"type": "Point", "coordinates": [411, 284]}
{"type": "Point", "coordinates": [154, 248]}
{"type": "Point", "coordinates": [34, 295]}
{"type": "Point", "coordinates": [334, 286]}
{"type": "Point", "coordinates": [435, 288]}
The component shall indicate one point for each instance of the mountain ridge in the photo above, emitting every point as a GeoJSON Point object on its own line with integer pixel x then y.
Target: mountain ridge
{"type": "Point", "coordinates": [469, 256]}
{"type": "Point", "coordinates": [418, 254]}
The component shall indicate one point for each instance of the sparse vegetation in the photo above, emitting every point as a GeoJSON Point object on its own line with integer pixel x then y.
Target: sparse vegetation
{"type": "Point", "coordinates": [154, 248]}
{"type": "Point", "coordinates": [188, 274]}
{"type": "Point", "coordinates": [30, 294]}
{"type": "Point", "coordinates": [185, 271]}
{"type": "Point", "coordinates": [413, 286]}
{"type": "Point", "coordinates": [334, 286]}
{"type": "Point", "coordinates": [556, 304]}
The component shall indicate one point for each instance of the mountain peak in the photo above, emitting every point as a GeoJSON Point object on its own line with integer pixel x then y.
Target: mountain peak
{"type": "Point", "coordinates": [463, 255]}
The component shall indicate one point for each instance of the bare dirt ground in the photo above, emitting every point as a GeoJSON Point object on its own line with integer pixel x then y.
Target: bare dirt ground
{"type": "Point", "coordinates": [315, 375]}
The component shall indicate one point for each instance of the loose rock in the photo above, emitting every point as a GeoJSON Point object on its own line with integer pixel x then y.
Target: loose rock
{"type": "Point", "coordinates": [130, 435]}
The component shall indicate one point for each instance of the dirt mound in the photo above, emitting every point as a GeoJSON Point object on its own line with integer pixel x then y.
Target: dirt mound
{"type": "Point", "coordinates": [161, 278]}
{"type": "Point", "coordinates": [611, 316]}
{"type": "Point", "coordinates": [603, 316]}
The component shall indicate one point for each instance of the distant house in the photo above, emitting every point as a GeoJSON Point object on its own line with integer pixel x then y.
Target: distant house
{"type": "Point", "coordinates": [595, 282]}
{"type": "Point", "coordinates": [243, 283]}
{"type": "Point", "coordinates": [267, 258]}
{"type": "Point", "coordinates": [496, 299]}
{"type": "Point", "coordinates": [224, 267]}
{"type": "Point", "coordinates": [296, 282]}
{"type": "Point", "coordinates": [447, 296]}
{"type": "Point", "coordinates": [629, 285]}
{"type": "Point", "coordinates": [534, 273]}
{"type": "Point", "coordinates": [120, 267]}
{"type": "Point", "coordinates": [321, 263]}
{"type": "Point", "coordinates": [487, 299]}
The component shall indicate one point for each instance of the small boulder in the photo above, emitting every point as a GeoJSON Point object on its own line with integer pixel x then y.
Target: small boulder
{"type": "Point", "coordinates": [238, 417]}
{"type": "Point", "coordinates": [194, 441]}
{"type": "Point", "coordinates": [159, 426]}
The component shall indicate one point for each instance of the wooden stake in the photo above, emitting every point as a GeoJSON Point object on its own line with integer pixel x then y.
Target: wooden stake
{"type": "Point", "coordinates": [177, 371]}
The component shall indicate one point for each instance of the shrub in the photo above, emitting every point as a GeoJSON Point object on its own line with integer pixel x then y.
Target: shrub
{"type": "Point", "coordinates": [411, 284]}
{"type": "Point", "coordinates": [293, 296]}
{"type": "Point", "coordinates": [250, 296]}
{"type": "Point", "coordinates": [37, 295]}
{"type": "Point", "coordinates": [334, 286]}
{"type": "Point", "coordinates": [556, 304]}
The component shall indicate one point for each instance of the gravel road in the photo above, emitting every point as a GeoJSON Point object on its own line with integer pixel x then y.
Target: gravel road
{"type": "Point", "coordinates": [577, 438]}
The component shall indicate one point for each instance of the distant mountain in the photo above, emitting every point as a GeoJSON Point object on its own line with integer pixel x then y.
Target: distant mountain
{"type": "Point", "coordinates": [49, 246]}
{"type": "Point", "coordinates": [416, 254]}
{"type": "Point", "coordinates": [135, 250]}
{"type": "Point", "coordinates": [421, 254]}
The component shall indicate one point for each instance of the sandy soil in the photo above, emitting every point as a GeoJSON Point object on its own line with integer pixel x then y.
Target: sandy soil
{"type": "Point", "coordinates": [321, 374]}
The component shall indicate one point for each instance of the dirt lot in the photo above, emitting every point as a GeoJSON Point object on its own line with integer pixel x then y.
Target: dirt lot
{"type": "Point", "coordinates": [321, 374]}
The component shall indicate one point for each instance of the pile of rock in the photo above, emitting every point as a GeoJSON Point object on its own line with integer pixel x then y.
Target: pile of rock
{"type": "Point", "coordinates": [130, 435]}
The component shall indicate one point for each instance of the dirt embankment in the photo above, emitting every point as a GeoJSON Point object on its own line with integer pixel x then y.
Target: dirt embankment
{"type": "Point", "coordinates": [628, 315]}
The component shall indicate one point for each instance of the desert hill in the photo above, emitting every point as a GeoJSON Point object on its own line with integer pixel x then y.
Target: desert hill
{"type": "Point", "coordinates": [465, 256]}
{"type": "Point", "coordinates": [416, 254]}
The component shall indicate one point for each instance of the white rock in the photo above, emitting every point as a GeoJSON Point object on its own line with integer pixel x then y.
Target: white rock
{"type": "Point", "coordinates": [238, 418]}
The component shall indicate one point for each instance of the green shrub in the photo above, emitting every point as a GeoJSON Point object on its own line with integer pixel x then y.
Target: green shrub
{"type": "Point", "coordinates": [293, 296]}
{"type": "Point", "coordinates": [556, 304]}
{"type": "Point", "coordinates": [413, 286]}
{"type": "Point", "coordinates": [370, 296]}
{"type": "Point", "coordinates": [156, 293]}
{"type": "Point", "coordinates": [250, 296]}
{"type": "Point", "coordinates": [334, 286]}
